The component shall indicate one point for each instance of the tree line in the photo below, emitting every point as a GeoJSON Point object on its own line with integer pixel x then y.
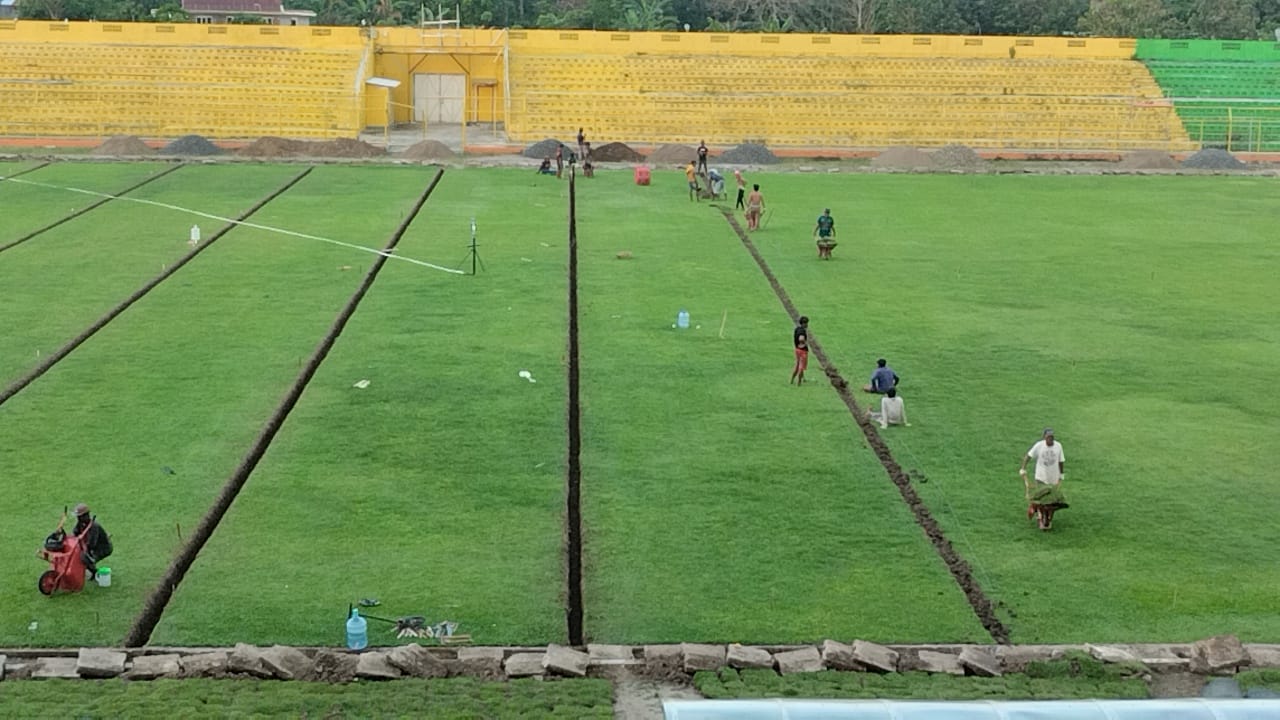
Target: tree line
{"type": "Point", "coordinates": [1213, 19]}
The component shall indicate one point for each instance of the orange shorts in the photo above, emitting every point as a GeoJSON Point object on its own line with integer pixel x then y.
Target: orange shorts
{"type": "Point", "coordinates": [802, 358]}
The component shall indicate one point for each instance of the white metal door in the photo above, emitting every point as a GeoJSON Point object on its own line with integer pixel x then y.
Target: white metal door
{"type": "Point", "coordinates": [439, 98]}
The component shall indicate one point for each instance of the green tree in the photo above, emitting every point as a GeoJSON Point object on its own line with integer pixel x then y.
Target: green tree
{"type": "Point", "coordinates": [1128, 18]}
{"type": "Point", "coordinates": [1268, 18]}
{"type": "Point", "coordinates": [922, 16]}
{"type": "Point", "coordinates": [1223, 19]}
{"type": "Point", "coordinates": [647, 15]}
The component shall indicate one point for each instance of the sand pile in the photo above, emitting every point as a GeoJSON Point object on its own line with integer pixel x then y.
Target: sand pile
{"type": "Point", "coordinates": [902, 158]}
{"type": "Point", "coordinates": [345, 148]}
{"type": "Point", "coordinates": [191, 145]}
{"type": "Point", "coordinates": [749, 154]}
{"type": "Point", "coordinates": [1213, 159]}
{"type": "Point", "coordinates": [673, 154]}
{"type": "Point", "coordinates": [615, 152]}
{"type": "Point", "coordinates": [956, 157]}
{"type": "Point", "coordinates": [274, 147]}
{"type": "Point", "coordinates": [1148, 160]}
{"type": "Point", "coordinates": [123, 145]}
{"type": "Point", "coordinates": [547, 148]}
{"type": "Point", "coordinates": [428, 150]}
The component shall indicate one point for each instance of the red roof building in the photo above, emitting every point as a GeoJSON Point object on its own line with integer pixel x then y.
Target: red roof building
{"type": "Point", "coordinates": [272, 12]}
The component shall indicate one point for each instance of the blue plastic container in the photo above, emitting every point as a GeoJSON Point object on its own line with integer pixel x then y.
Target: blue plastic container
{"type": "Point", "coordinates": [357, 631]}
{"type": "Point", "coordinates": [682, 320]}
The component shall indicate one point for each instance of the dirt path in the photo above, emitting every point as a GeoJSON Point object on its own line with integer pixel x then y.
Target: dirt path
{"type": "Point", "coordinates": [573, 496]}
{"type": "Point", "coordinates": [959, 568]}
{"type": "Point", "coordinates": [636, 697]}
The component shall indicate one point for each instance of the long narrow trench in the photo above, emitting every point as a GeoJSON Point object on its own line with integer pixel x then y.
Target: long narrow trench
{"type": "Point", "coordinates": [960, 571]}
{"type": "Point", "coordinates": [573, 491]}
{"type": "Point", "coordinates": [54, 357]}
{"type": "Point", "coordinates": [158, 599]}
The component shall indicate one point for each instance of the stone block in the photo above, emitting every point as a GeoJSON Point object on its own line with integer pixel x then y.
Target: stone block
{"type": "Point", "coordinates": [745, 656]}
{"type": "Point", "coordinates": [1217, 654]}
{"type": "Point", "coordinates": [611, 655]}
{"type": "Point", "coordinates": [939, 663]}
{"type": "Point", "coordinates": [697, 656]}
{"type": "Point", "coordinates": [566, 661]}
{"type": "Point", "coordinates": [100, 663]}
{"type": "Point", "coordinates": [799, 661]}
{"type": "Point", "coordinates": [980, 661]}
{"type": "Point", "coordinates": [204, 664]}
{"type": "Point", "coordinates": [663, 659]}
{"type": "Point", "coordinates": [247, 659]}
{"type": "Point", "coordinates": [1016, 658]}
{"type": "Point", "coordinates": [524, 665]}
{"type": "Point", "coordinates": [334, 667]}
{"type": "Point", "coordinates": [374, 666]}
{"type": "Point", "coordinates": [838, 656]}
{"type": "Point", "coordinates": [55, 668]}
{"type": "Point", "coordinates": [1263, 656]}
{"type": "Point", "coordinates": [150, 667]}
{"type": "Point", "coordinates": [875, 657]}
{"type": "Point", "coordinates": [1111, 653]}
{"type": "Point", "coordinates": [416, 661]}
{"type": "Point", "coordinates": [1163, 660]}
{"type": "Point", "coordinates": [2, 662]}
{"type": "Point", "coordinates": [287, 663]}
{"type": "Point", "coordinates": [480, 662]}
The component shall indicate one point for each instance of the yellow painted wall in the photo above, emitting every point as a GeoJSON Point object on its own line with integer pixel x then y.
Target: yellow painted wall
{"type": "Point", "coordinates": [403, 52]}
{"type": "Point", "coordinates": [180, 34]}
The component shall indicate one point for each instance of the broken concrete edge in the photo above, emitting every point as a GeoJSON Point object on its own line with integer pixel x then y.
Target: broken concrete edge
{"type": "Point", "coordinates": [686, 658]}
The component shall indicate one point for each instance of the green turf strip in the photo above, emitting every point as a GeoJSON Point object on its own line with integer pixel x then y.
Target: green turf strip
{"type": "Point", "coordinates": [28, 208]}
{"type": "Point", "coordinates": [182, 381]}
{"type": "Point", "coordinates": [61, 281]}
{"type": "Point", "coordinates": [439, 488]}
{"type": "Point", "coordinates": [455, 698]}
{"type": "Point", "coordinates": [720, 503]}
{"type": "Point", "coordinates": [1134, 315]}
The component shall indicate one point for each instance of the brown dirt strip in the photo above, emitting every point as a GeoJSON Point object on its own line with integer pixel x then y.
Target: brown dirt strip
{"type": "Point", "coordinates": [89, 207]}
{"type": "Point", "coordinates": [573, 496]}
{"type": "Point", "coordinates": [156, 602]}
{"type": "Point", "coordinates": [959, 568]}
{"type": "Point", "coordinates": [53, 358]}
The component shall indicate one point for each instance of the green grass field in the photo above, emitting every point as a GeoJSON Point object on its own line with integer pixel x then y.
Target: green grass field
{"type": "Point", "coordinates": [1132, 314]}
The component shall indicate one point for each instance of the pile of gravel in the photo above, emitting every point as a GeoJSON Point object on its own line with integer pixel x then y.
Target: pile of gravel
{"type": "Point", "coordinates": [547, 148]}
{"type": "Point", "coordinates": [615, 152]}
{"type": "Point", "coordinates": [956, 157]}
{"type": "Point", "coordinates": [1148, 160]}
{"type": "Point", "coordinates": [345, 148]}
{"type": "Point", "coordinates": [274, 147]}
{"type": "Point", "coordinates": [123, 145]}
{"type": "Point", "coordinates": [191, 145]}
{"type": "Point", "coordinates": [673, 154]}
{"type": "Point", "coordinates": [1213, 159]}
{"type": "Point", "coordinates": [428, 150]}
{"type": "Point", "coordinates": [749, 154]}
{"type": "Point", "coordinates": [903, 158]}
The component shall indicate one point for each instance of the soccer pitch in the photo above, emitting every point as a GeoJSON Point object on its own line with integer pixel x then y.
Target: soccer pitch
{"type": "Point", "coordinates": [1132, 314]}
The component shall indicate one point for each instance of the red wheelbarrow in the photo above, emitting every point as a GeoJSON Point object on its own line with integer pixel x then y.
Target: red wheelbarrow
{"type": "Point", "coordinates": [67, 570]}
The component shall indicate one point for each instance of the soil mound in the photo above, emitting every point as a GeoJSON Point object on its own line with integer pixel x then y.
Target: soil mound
{"type": "Point", "coordinates": [615, 152]}
{"type": "Point", "coordinates": [902, 158]}
{"type": "Point", "coordinates": [1148, 160]}
{"type": "Point", "coordinates": [191, 145]}
{"type": "Point", "coordinates": [673, 155]}
{"type": "Point", "coordinates": [749, 154]}
{"type": "Point", "coordinates": [123, 145]}
{"type": "Point", "coordinates": [547, 148]}
{"type": "Point", "coordinates": [345, 148]}
{"type": "Point", "coordinates": [956, 156]}
{"type": "Point", "coordinates": [274, 147]}
{"type": "Point", "coordinates": [428, 150]}
{"type": "Point", "coordinates": [1213, 159]}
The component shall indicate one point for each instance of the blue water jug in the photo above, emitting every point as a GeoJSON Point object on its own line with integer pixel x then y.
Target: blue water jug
{"type": "Point", "coordinates": [682, 320]}
{"type": "Point", "coordinates": [357, 631]}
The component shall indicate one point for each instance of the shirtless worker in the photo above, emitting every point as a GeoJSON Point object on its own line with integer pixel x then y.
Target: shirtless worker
{"type": "Point", "coordinates": [742, 189]}
{"type": "Point", "coordinates": [755, 206]}
{"type": "Point", "coordinates": [691, 174]}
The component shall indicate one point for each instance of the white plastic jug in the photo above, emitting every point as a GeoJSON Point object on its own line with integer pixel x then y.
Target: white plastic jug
{"type": "Point", "coordinates": [682, 320]}
{"type": "Point", "coordinates": [103, 577]}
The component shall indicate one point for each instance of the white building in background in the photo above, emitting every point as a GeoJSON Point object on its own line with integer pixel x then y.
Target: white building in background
{"type": "Point", "coordinates": [217, 12]}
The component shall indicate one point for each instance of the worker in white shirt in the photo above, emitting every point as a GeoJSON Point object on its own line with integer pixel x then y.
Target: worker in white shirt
{"type": "Point", "coordinates": [892, 411]}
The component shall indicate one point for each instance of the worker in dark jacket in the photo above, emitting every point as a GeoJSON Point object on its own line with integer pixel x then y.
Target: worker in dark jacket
{"type": "Point", "coordinates": [96, 545]}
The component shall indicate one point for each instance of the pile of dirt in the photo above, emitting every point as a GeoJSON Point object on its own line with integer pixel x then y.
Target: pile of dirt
{"type": "Point", "coordinates": [673, 155]}
{"type": "Point", "coordinates": [274, 147]}
{"type": "Point", "coordinates": [749, 154]}
{"type": "Point", "coordinates": [956, 157]}
{"type": "Point", "coordinates": [1213, 159]}
{"type": "Point", "coordinates": [428, 150]}
{"type": "Point", "coordinates": [191, 145]}
{"type": "Point", "coordinates": [1148, 160]}
{"type": "Point", "coordinates": [123, 145]}
{"type": "Point", "coordinates": [345, 148]}
{"type": "Point", "coordinates": [902, 158]}
{"type": "Point", "coordinates": [615, 152]}
{"type": "Point", "coordinates": [546, 149]}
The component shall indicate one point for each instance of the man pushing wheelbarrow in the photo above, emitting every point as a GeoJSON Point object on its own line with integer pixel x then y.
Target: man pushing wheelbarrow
{"type": "Point", "coordinates": [825, 234]}
{"type": "Point", "coordinates": [73, 558]}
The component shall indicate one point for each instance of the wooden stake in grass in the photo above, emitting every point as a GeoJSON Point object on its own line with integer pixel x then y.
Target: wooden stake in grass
{"type": "Point", "coordinates": [723, 319]}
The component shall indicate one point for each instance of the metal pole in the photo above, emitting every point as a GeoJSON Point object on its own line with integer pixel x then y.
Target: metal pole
{"type": "Point", "coordinates": [1230, 128]}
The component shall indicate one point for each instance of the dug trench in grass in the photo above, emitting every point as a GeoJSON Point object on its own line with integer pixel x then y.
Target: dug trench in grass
{"type": "Point", "coordinates": [573, 494]}
{"type": "Point", "coordinates": [155, 603]}
{"type": "Point", "coordinates": [956, 565]}
{"type": "Point", "coordinates": [31, 169]}
{"type": "Point", "coordinates": [89, 207]}
{"type": "Point", "coordinates": [53, 358]}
